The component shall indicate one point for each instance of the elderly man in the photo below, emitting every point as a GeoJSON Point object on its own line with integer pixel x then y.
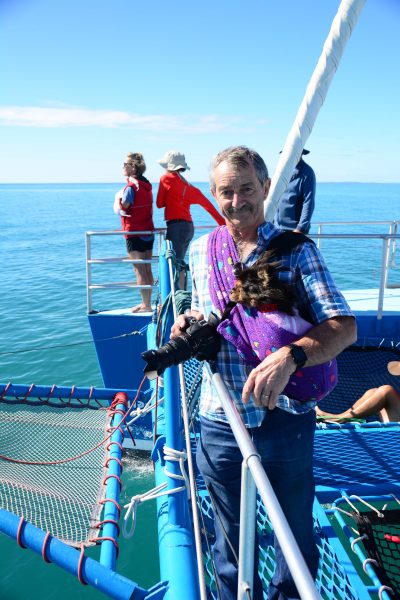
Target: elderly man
{"type": "Point", "coordinates": [282, 428]}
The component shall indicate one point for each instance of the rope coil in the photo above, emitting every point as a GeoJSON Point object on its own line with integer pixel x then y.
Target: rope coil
{"type": "Point", "coordinates": [172, 455]}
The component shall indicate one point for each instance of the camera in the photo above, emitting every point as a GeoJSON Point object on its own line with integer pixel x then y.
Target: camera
{"type": "Point", "coordinates": [200, 340]}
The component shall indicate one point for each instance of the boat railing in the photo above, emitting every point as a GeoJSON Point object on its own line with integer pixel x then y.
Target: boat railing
{"type": "Point", "coordinates": [107, 260]}
{"type": "Point", "coordinates": [387, 247]}
{"type": "Point", "coordinates": [393, 227]}
{"type": "Point", "coordinates": [389, 241]}
{"type": "Point", "coordinates": [91, 261]}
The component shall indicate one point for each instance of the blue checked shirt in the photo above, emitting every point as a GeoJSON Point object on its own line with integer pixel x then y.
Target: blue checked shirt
{"type": "Point", "coordinates": [317, 296]}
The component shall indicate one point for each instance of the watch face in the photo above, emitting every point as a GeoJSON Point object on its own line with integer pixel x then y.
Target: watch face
{"type": "Point", "coordinates": [298, 354]}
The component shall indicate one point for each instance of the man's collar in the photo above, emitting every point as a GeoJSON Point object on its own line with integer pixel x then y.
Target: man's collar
{"type": "Point", "coordinates": [266, 231]}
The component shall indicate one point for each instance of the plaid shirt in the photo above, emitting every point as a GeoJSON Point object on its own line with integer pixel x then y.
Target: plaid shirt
{"type": "Point", "coordinates": [317, 297]}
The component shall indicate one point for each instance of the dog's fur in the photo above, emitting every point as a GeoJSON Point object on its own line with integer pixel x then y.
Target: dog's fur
{"type": "Point", "coordinates": [259, 285]}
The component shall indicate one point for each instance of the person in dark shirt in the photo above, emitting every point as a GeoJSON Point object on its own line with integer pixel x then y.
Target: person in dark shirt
{"type": "Point", "coordinates": [296, 205]}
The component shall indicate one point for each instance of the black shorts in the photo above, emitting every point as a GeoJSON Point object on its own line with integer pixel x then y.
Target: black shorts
{"type": "Point", "coordinates": [135, 244]}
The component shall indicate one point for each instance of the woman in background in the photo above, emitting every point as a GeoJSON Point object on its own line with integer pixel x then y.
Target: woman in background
{"type": "Point", "coordinates": [175, 195]}
{"type": "Point", "coordinates": [134, 203]}
{"type": "Point", "coordinates": [383, 401]}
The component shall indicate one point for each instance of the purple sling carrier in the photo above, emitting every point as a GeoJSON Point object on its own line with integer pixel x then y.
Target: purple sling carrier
{"type": "Point", "coordinates": [255, 333]}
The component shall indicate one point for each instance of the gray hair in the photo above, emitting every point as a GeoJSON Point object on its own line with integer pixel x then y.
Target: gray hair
{"type": "Point", "coordinates": [240, 156]}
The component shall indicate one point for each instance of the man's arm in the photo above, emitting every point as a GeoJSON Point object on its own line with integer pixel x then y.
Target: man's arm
{"type": "Point", "coordinates": [128, 199]}
{"type": "Point", "coordinates": [117, 201]}
{"type": "Point", "coordinates": [197, 197]}
{"type": "Point", "coordinates": [162, 192]}
{"type": "Point", "coordinates": [321, 344]}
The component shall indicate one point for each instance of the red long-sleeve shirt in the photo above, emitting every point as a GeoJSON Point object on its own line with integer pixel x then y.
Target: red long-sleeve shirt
{"type": "Point", "coordinates": [176, 195]}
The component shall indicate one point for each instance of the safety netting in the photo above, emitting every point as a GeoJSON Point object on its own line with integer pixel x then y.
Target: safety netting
{"type": "Point", "coordinates": [360, 458]}
{"type": "Point", "coordinates": [360, 368]}
{"type": "Point", "coordinates": [355, 457]}
{"type": "Point", "coordinates": [332, 580]}
{"type": "Point", "coordinates": [381, 538]}
{"type": "Point", "coordinates": [372, 525]}
{"type": "Point", "coordinates": [53, 460]}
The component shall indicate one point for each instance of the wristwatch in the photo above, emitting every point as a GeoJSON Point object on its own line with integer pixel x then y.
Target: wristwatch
{"type": "Point", "coordinates": [298, 355]}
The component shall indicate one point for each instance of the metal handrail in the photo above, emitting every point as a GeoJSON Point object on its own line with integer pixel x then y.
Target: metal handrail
{"type": "Point", "coordinates": [90, 286]}
{"type": "Point", "coordinates": [185, 420]}
{"type": "Point", "coordinates": [389, 242]}
{"type": "Point", "coordinates": [393, 227]}
{"type": "Point", "coordinates": [297, 566]}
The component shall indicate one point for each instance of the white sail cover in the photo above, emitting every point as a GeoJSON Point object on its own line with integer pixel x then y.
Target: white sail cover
{"type": "Point", "coordinates": [342, 27]}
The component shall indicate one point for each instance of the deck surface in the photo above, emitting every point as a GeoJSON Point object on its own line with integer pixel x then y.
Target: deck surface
{"type": "Point", "coordinates": [366, 301]}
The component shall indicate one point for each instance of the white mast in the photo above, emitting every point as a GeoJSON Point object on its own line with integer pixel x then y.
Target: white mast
{"type": "Point", "coordinates": [342, 26]}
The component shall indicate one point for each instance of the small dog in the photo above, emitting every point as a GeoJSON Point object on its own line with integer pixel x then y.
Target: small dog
{"type": "Point", "coordinates": [258, 286]}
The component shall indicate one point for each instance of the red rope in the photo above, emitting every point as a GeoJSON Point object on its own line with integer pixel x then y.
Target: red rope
{"type": "Point", "coordinates": [113, 477]}
{"type": "Point", "coordinates": [80, 564]}
{"type": "Point", "coordinates": [5, 390]}
{"type": "Point", "coordinates": [28, 392]}
{"type": "Point", "coordinates": [130, 434]}
{"type": "Point", "coordinates": [101, 523]}
{"type": "Point", "coordinates": [45, 541]}
{"type": "Point", "coordinates": [392, 538]}
{"type": "Point", "coordinates": [53, 387]}
{"type": "Point", "coordinates": [118, 460]}
{"type": "Point", "coordinates": [71, 394]}
{"type": "Point", "coordinates": [110, 539]}
{"type": "Point", "coordinates": [113, 443]}
{"type": "Point", "coordinates": [114, 502]}
{"type": "Point", "coordinates": [19, 532]}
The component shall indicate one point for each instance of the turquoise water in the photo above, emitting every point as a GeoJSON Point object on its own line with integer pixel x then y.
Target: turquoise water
{"type": "Point", "coordinates": [43, 305]}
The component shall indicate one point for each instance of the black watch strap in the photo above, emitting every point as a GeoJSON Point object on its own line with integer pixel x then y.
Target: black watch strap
{"type": "Point", "coordinates": [298, 355]}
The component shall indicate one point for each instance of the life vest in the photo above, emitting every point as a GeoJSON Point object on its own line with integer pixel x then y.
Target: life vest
{"type": "Point", "coordinates": [141, 211]}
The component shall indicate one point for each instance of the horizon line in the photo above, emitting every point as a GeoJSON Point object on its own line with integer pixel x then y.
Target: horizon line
{"type": "Point", "coordinates": [157, 182]}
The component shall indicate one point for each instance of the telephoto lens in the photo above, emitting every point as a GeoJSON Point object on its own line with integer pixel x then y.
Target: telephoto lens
{"type": "Point", "coordinates": [199, 340]}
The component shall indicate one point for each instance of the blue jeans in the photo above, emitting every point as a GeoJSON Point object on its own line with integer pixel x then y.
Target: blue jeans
{"type": "Point", "coordinates": [285, 444]}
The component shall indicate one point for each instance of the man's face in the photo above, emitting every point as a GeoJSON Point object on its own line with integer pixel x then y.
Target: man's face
{"type": "Point", "coordinates": [240, 195]}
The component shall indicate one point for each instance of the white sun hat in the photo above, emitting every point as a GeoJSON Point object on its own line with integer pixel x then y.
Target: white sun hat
{"type": "Point", "coordinates": [173, 160]}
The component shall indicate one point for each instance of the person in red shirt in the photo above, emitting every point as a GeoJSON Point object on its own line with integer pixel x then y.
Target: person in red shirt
{"type": "Point", "coordinates": [134, 203]}
{"type": "Point", "coordinates": [175, 195]}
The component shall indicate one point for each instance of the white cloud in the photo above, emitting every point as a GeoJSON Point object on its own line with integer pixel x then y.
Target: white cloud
{"type": "Point", "coordinates": [59, 117]}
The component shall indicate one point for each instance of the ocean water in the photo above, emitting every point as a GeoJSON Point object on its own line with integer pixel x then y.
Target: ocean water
{"type": "Point", "coordinates": [45, 336]}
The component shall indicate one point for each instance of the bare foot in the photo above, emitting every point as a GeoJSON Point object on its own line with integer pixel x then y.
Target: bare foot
{"type": "Point", "coordinates": [141, 308]}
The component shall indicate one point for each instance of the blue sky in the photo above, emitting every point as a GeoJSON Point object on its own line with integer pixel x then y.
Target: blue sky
{"type": "Point", "coordinates": [85, 81]}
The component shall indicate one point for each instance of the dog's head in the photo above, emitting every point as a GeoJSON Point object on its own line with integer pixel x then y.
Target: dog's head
{"type": "Point", "coordinates": [259, 285]}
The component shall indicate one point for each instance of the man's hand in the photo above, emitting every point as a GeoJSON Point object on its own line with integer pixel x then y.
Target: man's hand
{"type": "Point", "coordinates": [269, 378]}
{"type": "Point", "coordinates": [321, 343]}
{"type": "Point", "coordinates": [181, 323]}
